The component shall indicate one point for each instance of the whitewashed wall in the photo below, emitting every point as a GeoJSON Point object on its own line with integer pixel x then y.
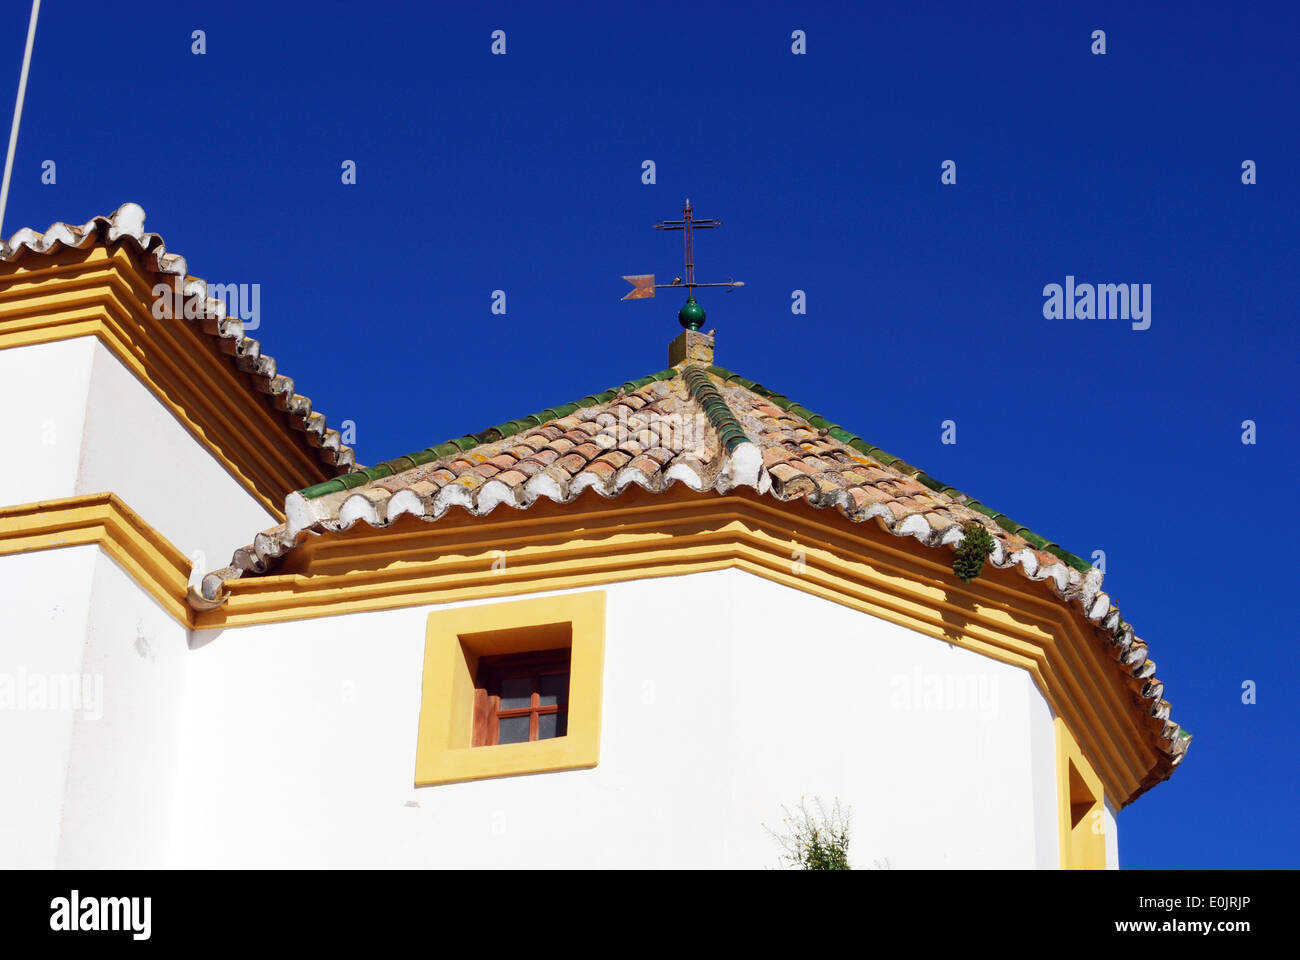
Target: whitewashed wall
{"type": "Point", "coordinates": [1112, 838]}
{"type": "Point", "coordinates": [45, 599]}
{"type": "Point", "coordinates": [84, 424]}
{"type": "Point", "coordinates": [122, 770]}
{"type": "Point", "coordinates": [725, 696]}
{"type": "Point", "coordinates": [91, 678]}
{"type": "Point", "coordinates": [43, 389]}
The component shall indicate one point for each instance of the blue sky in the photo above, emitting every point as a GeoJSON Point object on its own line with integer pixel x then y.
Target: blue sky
{"type": "Point", "coordinates": [523, 172]}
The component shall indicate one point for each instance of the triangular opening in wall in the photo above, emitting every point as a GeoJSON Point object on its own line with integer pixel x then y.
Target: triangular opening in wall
{"type": "Point", "coordinates": [1081, 799]}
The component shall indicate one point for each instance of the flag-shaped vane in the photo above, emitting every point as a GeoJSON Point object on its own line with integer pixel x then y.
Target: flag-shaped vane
{"type": "Point", "coordinates": [642, 287]}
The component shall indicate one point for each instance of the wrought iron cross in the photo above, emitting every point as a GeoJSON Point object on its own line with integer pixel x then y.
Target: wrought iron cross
{"type": "Point", "coordinates": [644, 286]}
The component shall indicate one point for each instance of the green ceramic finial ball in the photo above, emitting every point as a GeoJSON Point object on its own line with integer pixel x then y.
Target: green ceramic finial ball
{"type": "Point", "coordinates": [691, 315]}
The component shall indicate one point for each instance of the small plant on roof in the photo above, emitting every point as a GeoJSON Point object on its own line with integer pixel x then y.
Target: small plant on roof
{"type": "Point", "coordinates": [972, 552]}
{"type": "Point", "coordinates": [811, 842]}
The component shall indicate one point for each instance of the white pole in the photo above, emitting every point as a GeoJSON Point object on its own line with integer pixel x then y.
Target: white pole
{"type": "Point", "coordinates": [18, 113]}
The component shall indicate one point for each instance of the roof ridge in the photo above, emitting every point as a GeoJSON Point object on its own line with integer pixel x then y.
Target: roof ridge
{"type": "Point", "coordinates": [715, 407]}
{"type": "Point", "coordinates": [500, 431]}
{"type": "Point", "coordinates": [857, 443]}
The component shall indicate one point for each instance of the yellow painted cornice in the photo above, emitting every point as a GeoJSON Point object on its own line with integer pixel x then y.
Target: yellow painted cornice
{"type": "Point", "coordinates": [106, 294]}
{"type": "Point", "coordinates": [103, 519]}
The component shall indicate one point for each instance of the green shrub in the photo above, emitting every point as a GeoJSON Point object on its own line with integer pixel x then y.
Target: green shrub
{"type": "Point", "coordinates": [818, 842]}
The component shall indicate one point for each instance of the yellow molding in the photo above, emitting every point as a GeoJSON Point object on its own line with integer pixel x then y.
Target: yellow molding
{"type": "Point", "coordinates": [454, 641]}
{"type": "Point", "coordinates": [108, 296]}
{"type": "Point", "coordinates": [33, 269]}
{"type": "Point", "coordinates": [103, 519]}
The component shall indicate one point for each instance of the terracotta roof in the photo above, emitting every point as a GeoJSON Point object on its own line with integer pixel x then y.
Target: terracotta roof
{"type": "Point", "coordinates": [710, 429]}
{"type": "Point", "coordinates": [126, 226]}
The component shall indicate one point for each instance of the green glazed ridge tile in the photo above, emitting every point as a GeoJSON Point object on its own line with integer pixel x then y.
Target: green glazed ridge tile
{"type": "Point", "coordinates": [730, 433]}
{"type": "Point", "coordinates": [320, 489]}
{"type": "Point", "coordinates": [1080, 564]}
{"type": "Point", "coordinates": [1039, 543]}
{"type": "Point", "coordinates": [348, 481]}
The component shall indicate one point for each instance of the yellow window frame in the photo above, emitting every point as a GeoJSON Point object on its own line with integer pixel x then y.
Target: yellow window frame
{"type": "Point", "coordinates": [455, 640]}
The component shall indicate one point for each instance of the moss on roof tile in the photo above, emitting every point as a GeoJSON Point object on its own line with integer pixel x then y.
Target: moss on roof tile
{"type": "Point", "coordinates": [350, 481]}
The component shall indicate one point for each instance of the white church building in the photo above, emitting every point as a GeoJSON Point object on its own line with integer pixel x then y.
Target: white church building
{"type": "Point", "coordinates": [622, 631]}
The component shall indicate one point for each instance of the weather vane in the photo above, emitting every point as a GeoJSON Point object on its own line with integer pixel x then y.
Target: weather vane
{"type": "Point", "coordinates": [691, 316]}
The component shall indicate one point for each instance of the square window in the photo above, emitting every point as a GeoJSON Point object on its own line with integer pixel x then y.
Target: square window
{"type": "Point", "coordinates": [511, 688]}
